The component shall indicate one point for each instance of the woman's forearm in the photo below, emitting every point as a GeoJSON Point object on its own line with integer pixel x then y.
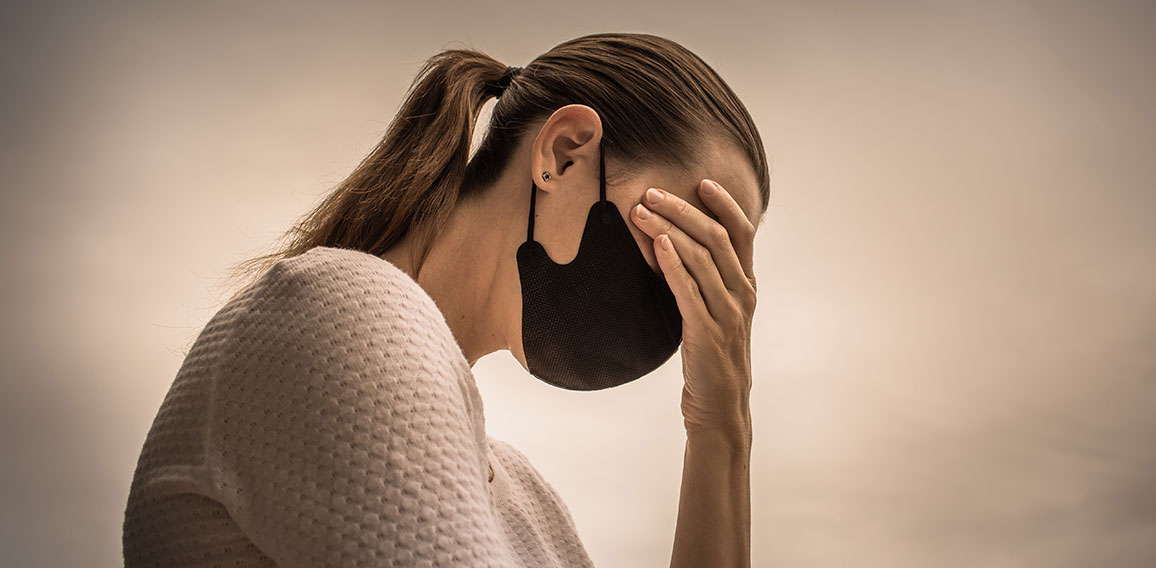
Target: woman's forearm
{"type": "Point", "coordinates": [713, 281]}
{"type": "Point", "coordinates": [714, 506]}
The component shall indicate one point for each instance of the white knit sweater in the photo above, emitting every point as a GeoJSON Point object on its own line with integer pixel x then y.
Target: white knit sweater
{"type": "Point", "coordinates": [326, 416]}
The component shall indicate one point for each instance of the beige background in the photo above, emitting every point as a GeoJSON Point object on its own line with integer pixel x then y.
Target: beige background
{"type": "Point", "coordinates": [954, 360]}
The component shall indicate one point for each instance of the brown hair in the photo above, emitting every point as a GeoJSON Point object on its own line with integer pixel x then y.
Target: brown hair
{"type": "Point", "coordinates": [656, 99]}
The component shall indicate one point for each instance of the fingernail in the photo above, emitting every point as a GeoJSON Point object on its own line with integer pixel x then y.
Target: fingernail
{"type": "Point", "coordinates": [665, 242]}
{"type": "Point", "coordinates": [708, 187]}
{"type": "Point", "coordinates": [654, 195]}
{"type": "Point", "coordinates": [643, 212]}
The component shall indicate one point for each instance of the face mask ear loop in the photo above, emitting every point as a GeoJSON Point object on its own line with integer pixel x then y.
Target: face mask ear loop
{"type": "Point", "coordinates": [530, 223]}
{"type": "Point", "coordinates": [602, 188]}
{"type": "Point", "coordinates": [601, 175]}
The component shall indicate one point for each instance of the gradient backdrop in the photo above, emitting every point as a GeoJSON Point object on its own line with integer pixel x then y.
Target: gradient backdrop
{"type": "Point", "coordinates": [955, 359]}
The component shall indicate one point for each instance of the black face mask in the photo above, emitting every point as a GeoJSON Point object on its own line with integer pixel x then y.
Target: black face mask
{"type": "Point", "coordinates": [602, 320]}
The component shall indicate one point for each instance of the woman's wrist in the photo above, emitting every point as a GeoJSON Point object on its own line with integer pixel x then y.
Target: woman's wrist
{"type": "Point", "coordinates": [735, 434]}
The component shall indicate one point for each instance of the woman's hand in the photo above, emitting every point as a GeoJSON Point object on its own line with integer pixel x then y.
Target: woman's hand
{"type": "Point", "coordinates": [709, 266]}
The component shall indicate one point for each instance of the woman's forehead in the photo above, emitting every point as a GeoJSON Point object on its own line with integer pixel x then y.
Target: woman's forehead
{"type": "Point", "coordinates": [727, 163]}
{"type": "Point", "coordinates": [721, 161]}
{"type": "Point", "coordinates": [740, 197]}
{"type": "Point", "coordinates": [732, 170]}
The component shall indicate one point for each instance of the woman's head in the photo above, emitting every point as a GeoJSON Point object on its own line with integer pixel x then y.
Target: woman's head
{"type": "Point", "coordinates": [659, 108]}
{"type": "Point", "coordinates": [657, 102]}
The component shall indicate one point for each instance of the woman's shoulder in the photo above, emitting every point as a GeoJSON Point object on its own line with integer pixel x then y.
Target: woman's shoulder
{"type": "Point", "coordinates": [337, 409]}
{"type": "Point", "coordinates": [341, 273]}
{"type": "Point", "coordinates": [329, 304]}
{"type": "Point", "coordinates": [319, 258]}
{"type": "Point", "coordinates": [348, 288]}
{"type": "Point", "coordinates": [337, 324]}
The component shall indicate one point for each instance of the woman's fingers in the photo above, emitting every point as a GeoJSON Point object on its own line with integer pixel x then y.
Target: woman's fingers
{"type": "Point", "coordinates": [687, 292]}
{"type": "Point", "coordinates": [738, 226]}
{"type": "Point", "coordinates": [703, 229]}
{"type": "Point", "coordinates": [693, 258]}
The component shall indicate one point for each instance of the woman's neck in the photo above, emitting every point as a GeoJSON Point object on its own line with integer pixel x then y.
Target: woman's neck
{"type": "Point", "coordinates": [471, 271]}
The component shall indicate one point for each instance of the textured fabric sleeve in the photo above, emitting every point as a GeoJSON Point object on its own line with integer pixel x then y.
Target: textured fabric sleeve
{"type": "Point", "coordinates": [342, 431]}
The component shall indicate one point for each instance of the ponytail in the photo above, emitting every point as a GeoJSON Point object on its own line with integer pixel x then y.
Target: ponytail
{"type": "Point", "coordinates": [410, 181]}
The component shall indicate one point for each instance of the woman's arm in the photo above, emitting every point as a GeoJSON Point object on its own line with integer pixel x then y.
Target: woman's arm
{"type": "Point", "coordinates": [714, 505]}
{"type": "Point", "coordinates": [709, 267]}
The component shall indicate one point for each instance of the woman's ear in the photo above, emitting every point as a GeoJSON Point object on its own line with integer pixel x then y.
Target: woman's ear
{"type": "Point", "coordinates": [566, 148]}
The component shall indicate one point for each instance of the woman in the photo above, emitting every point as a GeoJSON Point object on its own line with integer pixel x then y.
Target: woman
{"type": "Point", "coordinates": [327, 415]}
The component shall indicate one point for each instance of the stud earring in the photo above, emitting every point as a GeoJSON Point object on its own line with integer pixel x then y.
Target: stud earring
{"type": "Point", "coordinates": [545, 176]}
